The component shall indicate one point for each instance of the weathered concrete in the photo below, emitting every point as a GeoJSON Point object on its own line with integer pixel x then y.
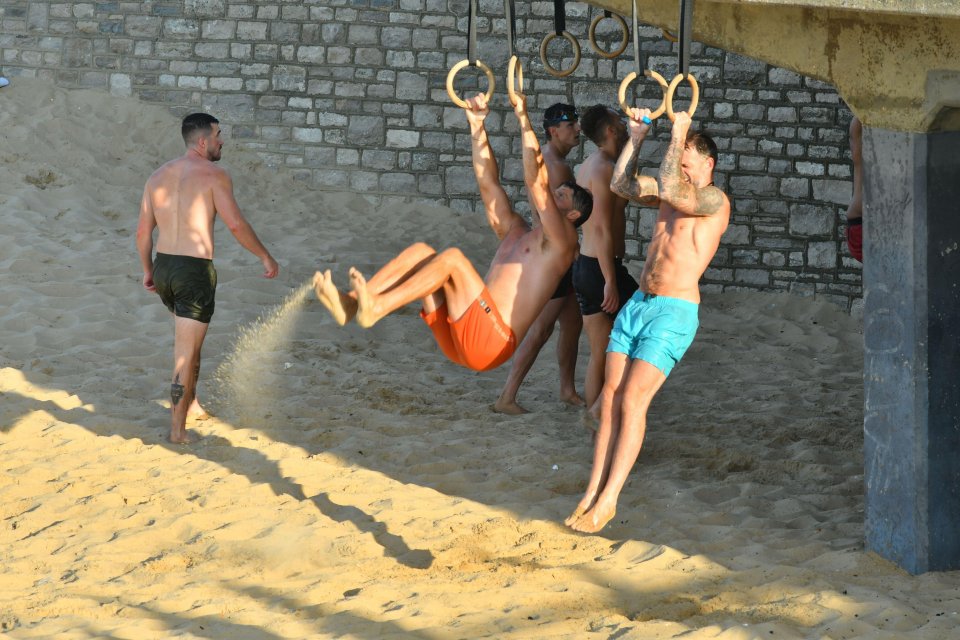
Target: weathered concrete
{"type": "Point", "coordinates": [896, 63]}
{"type": "Point", "coordinates": [912, 309]}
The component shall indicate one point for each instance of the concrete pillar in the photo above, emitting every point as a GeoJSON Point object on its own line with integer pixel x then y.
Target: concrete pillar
{"type": "Point", "coordinates": [911, 281]}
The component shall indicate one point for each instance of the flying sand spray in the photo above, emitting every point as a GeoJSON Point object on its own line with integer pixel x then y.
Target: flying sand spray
{"type": "Point", "coordinates": [242, 381]}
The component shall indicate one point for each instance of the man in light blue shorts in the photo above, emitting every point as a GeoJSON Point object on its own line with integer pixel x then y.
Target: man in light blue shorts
{"type": "Point", "coordinates": [655, 328]}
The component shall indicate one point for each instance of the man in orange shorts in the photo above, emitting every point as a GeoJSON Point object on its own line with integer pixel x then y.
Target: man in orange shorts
{"type": "Point", "coordinates": [477, 321]}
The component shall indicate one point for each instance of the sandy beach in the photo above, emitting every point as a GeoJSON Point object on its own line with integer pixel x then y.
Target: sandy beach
{"type": "Point", "coordinates": [353, 483]}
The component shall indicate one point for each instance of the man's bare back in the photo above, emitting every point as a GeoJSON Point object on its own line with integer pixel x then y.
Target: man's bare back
{"type": "Point", "coordinates": [181, 195]}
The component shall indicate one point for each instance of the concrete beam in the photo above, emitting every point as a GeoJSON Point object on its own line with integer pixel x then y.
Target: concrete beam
{"type": "Point", "coordinates": [896, 63]}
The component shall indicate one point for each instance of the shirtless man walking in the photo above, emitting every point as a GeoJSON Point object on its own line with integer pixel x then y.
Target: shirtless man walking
{"type": "Point", "coordinates": [656, 327]}
{"type": "Point", "coordinates": [476, 321]}
{"type": "Point", "coordinates": [560, 122]}
{"type": "Point", "coordinates": [181, 200]}
{"type": "Point", "coordinates": [602, 283]}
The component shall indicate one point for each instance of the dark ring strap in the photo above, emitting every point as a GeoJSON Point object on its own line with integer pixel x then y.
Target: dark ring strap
{"type": "Point", "coordinates": [472, 34]}
{"type": "Point", "coordinates": [685, 35]}
{"type": "Point", "coordinates": [510, 11]}
{"type": "Point", "coordinates": [559, 17]}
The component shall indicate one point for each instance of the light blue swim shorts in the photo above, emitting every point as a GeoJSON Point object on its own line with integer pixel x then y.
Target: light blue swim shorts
{"type": "Point", "coordinates": [655, 329]}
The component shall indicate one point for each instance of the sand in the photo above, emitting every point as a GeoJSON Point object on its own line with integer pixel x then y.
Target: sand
{"type": "Point", "coordinates": [353, 483]}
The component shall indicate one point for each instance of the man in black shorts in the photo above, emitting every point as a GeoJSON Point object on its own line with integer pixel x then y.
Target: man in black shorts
{"type": "Point", "coordinates": [602, 283]}
{"type": "Point", "coordinates": [181, 200]}
{"type": "Point", "coordinates": [560, 123]}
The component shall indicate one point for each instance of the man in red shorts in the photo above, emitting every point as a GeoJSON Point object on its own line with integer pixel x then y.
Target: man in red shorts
{"type": "Point", "coordinates": [477, 321]}
{"type": "Point", "coordinates": [855, 210]}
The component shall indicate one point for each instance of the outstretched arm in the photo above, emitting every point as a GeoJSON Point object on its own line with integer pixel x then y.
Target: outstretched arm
{"type": "Point", "coordinates": [627, 181]}
{"type": "Point", "coordinates": [500, 214]}
{"type": "Point", "coordinates": [228, 209]}
{"type": "Point", "coordinates": [535, 175]}
{"type": "Point", "coordinates": [675, 188]}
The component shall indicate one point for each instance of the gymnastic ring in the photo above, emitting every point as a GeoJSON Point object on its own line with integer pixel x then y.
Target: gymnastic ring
{"type": "Point", "coordinates": [622, 93]}
{"type": "Point", "coordinates": [669, 37]}
{"type": "Point", "coordinates": [593, 36]}
{"type": "Point", "coordinates": [668, 99]}
{"type": "Point", "coordinates": [453, 73]}
{"type": "Point", "coordinates": [514, 64]}
{"type": "Point", "coordinates": [576, 54]}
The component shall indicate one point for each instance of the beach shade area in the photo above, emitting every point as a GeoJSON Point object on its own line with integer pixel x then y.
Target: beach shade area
{"type": "Point", "coordinates": [353, 483]}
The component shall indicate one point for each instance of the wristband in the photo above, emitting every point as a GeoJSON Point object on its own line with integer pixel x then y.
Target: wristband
{"type": "Point", "coordinates": [646, 120]}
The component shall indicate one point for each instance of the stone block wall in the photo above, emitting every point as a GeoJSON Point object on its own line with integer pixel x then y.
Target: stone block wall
{"type": "Point", "coordinates": [349, 95]}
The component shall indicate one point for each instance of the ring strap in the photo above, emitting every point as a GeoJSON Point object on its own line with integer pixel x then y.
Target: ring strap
{"type": "Point", "coordinates": [685, 35]}
{"type": "Point", "coordinates": [559, 17]}
{"type": "Point", "coordinates": [636, 39]}
{"type": "Point", "coordinates": [472, 34]}
{"type": "Point", "coordinates": [510, 11]}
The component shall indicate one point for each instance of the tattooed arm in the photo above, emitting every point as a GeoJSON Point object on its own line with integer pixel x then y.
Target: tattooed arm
{"type": "Point", "coordinates": [627, 181]}
{"type": "Point", "coordinates": [676, 188]}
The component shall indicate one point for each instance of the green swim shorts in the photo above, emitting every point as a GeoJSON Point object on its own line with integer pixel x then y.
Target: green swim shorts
{"type": "Point", "coordinates": [187, 285]}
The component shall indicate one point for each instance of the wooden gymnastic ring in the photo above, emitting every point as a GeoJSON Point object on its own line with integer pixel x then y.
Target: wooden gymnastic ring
{"type": "Point", "coordinates": [622, 93]}
{"type": "Point", "coordinates": [693, 99]}
{"type": "Point", "coordinates": [514, 64]}
{"type": "Point", "coordinates": [453, 73]}
{"type": "Point", "coordinates": [576, 54]}
{"type": "Point", "coordinates": [669, 36]}
{"type": "Point", "coordinates": [593, 36]}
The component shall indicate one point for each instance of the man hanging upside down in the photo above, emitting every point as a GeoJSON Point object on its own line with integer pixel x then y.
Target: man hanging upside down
{"type": "Point", "coordinates": [476, 321]}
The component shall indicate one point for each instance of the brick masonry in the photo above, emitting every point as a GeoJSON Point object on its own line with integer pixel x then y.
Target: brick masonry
{"type": "Point", "coordinates": [349, 95]}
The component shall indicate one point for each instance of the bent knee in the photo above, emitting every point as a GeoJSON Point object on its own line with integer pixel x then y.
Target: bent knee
{"type": "Point", "coordinates": [453, 254]}
{"type": "Point", "coordinates": [423, 247]}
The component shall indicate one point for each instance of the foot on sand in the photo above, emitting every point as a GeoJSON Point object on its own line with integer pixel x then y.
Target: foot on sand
{"type": "Point", "coordinates": [581, 509]}
{"type": "Point", "coordinates": [366, 314]}
{"type": "Point", "coordinates": [593, 520]}
{"type": "Point", "coordinates": [510, 408]}
{"type": "Point", "coordinates": [572, 398]}
{"type": "Point", "coordinates": [187, 437]}
{"type": "Point", "coordinates": [341, 306]}
{"type": "Point", "coordinates": [196, 412]}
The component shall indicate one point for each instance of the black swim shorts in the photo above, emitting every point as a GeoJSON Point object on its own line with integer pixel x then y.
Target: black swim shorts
{"type": "Point", "coordinates": [588, 283]}
{"type": "Point", "coordinates": [187, 285]}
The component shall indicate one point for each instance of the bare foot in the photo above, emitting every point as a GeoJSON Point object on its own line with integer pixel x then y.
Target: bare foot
{"type": "Point", "coordinates": [572, 398]}
{"type": "Point", "coordinates": [366, 315]}
{"type": "Point", "coordinates": [573, 517]}
{"type": "Point", "coordinates": [341, 306]}
{"type": "Point", "coordinates": [594, 520]}
{"type": "Point", "coordinates": [184, 437]}
{"type": "Point", "coordinates": [590, 423]}
{"type": "Point", "coordinates": [594, 411]}
{"type": "Point", "coordinates": [510, 408]}
{"type": "Point", "coordinates": [581, 509]}
{"type": "Point", "coordinates": [196, 412]}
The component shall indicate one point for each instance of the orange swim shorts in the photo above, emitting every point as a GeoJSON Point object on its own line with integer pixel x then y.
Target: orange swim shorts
{"type": "Point", "coordinates": [479, 340]}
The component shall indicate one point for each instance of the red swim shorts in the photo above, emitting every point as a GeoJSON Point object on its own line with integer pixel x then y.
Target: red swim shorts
{"type": "Point", "coordinates": [479, 340]}
{"type": "Point", "coordinates": [855, 237]}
